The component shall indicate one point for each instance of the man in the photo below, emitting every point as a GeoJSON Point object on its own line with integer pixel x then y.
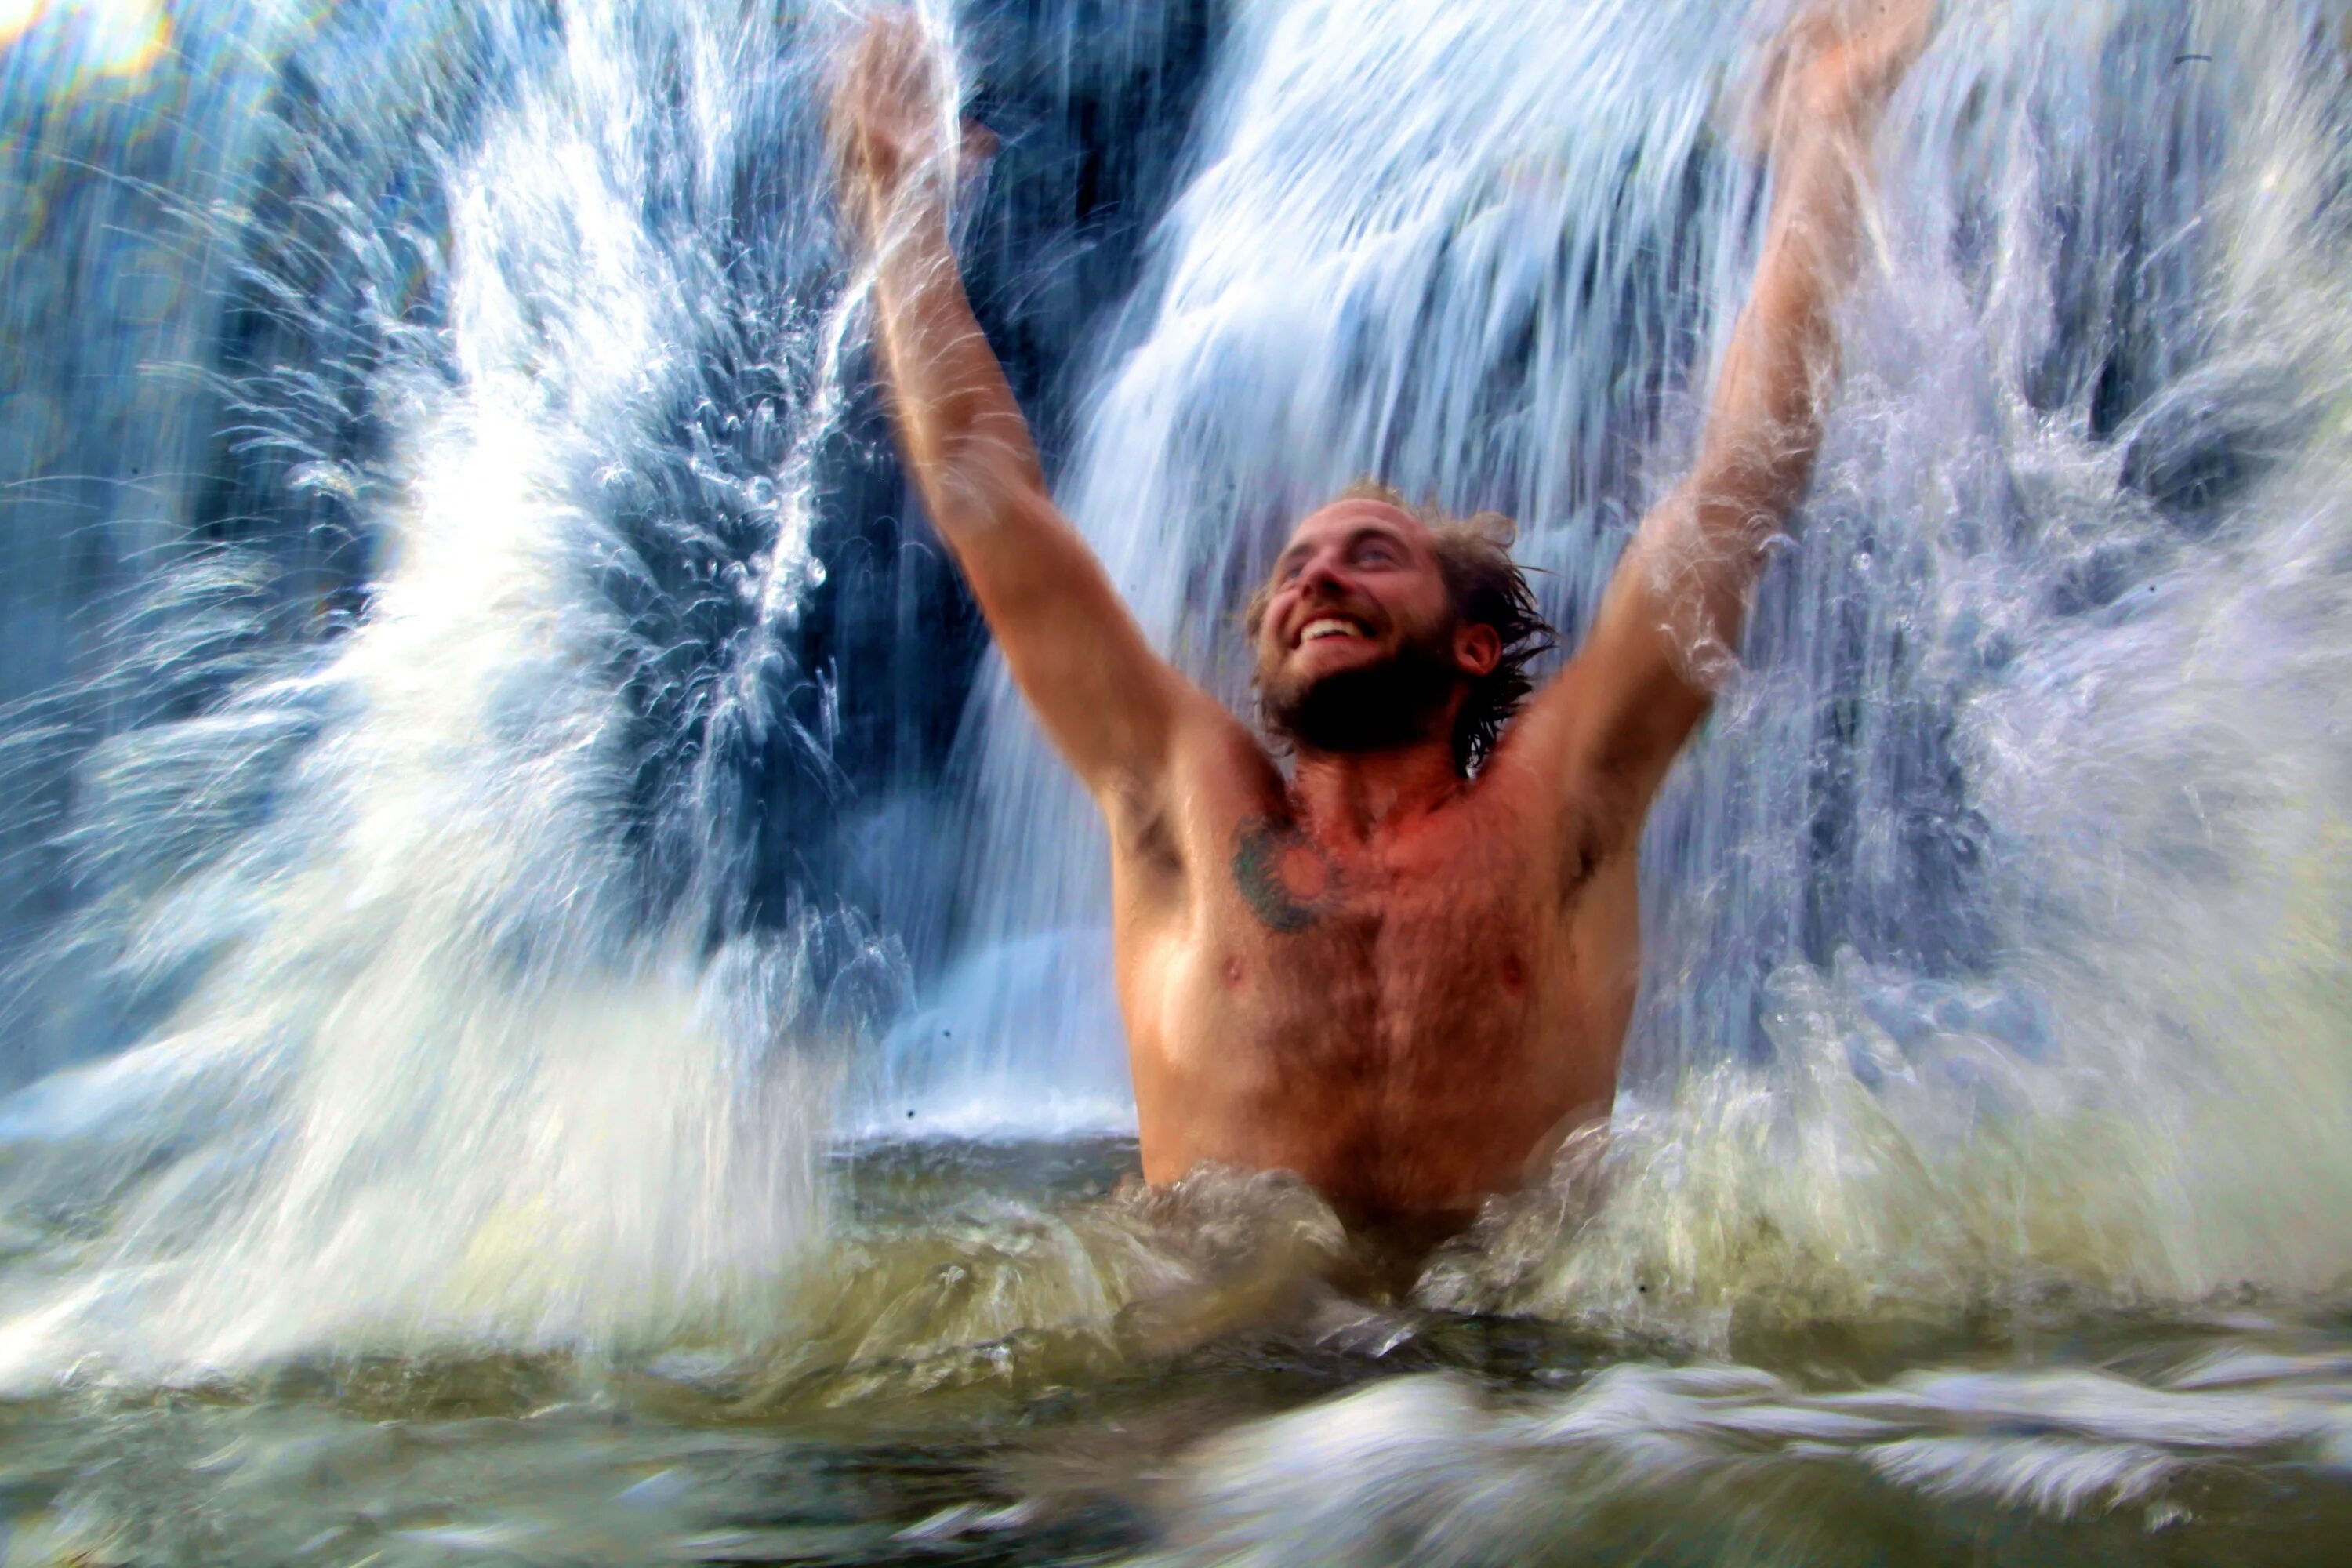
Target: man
{"type": "Point", "coordinates": [1401, 978]}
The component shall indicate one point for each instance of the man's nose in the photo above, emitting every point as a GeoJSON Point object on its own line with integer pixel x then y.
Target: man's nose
{"type": "Point", "coordinates": [1322, 576]}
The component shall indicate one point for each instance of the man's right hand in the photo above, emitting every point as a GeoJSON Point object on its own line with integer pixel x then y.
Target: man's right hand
{"type": "Point", "coordinates": [890, 124]}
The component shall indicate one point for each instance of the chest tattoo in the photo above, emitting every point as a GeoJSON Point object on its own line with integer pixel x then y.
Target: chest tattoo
{"type": "Point", "coordinates": [1288, 880]}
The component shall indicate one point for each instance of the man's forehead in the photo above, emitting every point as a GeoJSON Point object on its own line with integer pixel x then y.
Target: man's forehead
{"type": "Point", "coordinates": [1355, 513]}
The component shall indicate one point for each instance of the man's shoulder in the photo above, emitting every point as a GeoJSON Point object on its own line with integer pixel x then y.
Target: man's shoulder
{"type": "Point", "coordinates": [1549, 821]}
{"type": "Point", "coordinates": [1216, 774]}
{"type": "Point", "coordinates": [1211, 750]}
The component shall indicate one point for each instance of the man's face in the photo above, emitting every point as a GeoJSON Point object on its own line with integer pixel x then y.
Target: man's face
{"type": "Point", "coordinates": [1357, 649]}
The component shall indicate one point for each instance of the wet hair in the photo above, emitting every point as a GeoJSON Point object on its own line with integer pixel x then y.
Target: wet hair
{"type": "Point", "coordinates": [1488, 589]}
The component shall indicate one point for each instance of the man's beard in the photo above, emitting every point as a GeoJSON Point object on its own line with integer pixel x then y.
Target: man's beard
{"type": "Point", "coordinates": [1368, 708]}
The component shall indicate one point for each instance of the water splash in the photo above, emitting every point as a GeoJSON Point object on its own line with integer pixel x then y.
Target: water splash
{"type": "Point", "coordinates": [2132, 1086]}
{"type": "Point", "coordinates": [465, 1034]}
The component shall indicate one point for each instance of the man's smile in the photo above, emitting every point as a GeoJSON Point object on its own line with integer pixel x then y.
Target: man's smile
{"type": "Point", "coordinates": [1323, 627]}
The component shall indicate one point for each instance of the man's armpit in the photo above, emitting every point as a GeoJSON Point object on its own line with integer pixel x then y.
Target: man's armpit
{"type": "Point", "coordinates": [1142, 827]}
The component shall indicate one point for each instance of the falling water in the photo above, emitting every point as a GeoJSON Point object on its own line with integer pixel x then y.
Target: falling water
{"type": "Point", "coordinates": [444, 1041]}
{"type": "Point", "coordinates": [488, 875]}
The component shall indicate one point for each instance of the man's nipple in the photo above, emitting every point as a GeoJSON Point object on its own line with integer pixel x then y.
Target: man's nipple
{"type": "Point", "coordinates": [1234, 973]}
{"type": "Point", "coordinates": [1515, 975]}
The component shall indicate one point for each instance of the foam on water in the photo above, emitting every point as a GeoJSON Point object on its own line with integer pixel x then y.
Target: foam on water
{"type": "Point", "coordinates": [1426, 1470]}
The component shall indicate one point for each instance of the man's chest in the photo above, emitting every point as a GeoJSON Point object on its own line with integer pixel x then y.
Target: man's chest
{"type": "Point", "coordinates": [1297, 952]}
{"type": "Point", "coordinates": [1398, 919]}
{"type": "Point", "coordinates": [1402, 1023]}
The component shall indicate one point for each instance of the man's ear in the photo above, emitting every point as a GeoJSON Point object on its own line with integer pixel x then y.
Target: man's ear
{"type": "Point", "coordinates": [1477, 648]}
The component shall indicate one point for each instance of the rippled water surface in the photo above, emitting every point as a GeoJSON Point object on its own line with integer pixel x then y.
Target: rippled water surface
{"type": "Point", "coordinates": [1011, 1359]}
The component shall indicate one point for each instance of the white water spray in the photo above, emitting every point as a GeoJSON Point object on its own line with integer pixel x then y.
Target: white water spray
{"type": "Point", "coordinates": [451, 1074]}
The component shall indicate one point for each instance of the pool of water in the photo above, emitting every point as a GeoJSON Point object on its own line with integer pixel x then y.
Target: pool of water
{"type": "Point", "coordinates": [1013, 1352]}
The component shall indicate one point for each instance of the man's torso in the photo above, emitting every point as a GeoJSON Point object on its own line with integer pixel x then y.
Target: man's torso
{"type": "Point", "coordinates": [1408, 1023]}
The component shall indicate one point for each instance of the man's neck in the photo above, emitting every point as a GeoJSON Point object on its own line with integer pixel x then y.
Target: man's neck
{"type": "Point", "coordinates": [1349, 797]}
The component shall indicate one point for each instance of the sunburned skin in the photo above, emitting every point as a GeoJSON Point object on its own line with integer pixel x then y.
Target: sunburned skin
{"type": "Point", "coordinates": [1418, 1034]}
{"type": "Point", "coordinates": [1403, 979]}
{"type": "Point", "coordinates": [1410, 1014]}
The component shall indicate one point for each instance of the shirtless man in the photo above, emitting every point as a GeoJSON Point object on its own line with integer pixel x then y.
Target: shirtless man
{"type": "Point", "coordinates": [1401, 978]}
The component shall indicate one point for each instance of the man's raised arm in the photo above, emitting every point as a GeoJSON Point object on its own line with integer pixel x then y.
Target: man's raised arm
{"type": "Point", "coordinates": [1107, 702]}
{"type": "Point", "coordinates": [1673, 615]}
